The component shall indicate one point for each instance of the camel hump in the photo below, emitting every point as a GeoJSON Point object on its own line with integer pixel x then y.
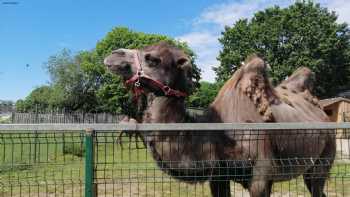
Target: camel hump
{"type": "Point", "coordinates": [255, 84]}
{"type": "Point", "coordinates": [300, 82]}
{"type": "Point", "coordinates": [255, 63]}
{"type": "Point", "coordinates": [302, 79]}
{"type": "Point", "coordinates": [249, 87]}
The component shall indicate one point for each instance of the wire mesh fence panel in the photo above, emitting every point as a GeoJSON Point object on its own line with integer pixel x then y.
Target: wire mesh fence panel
{"type": "Point", "coordinates": [41, 164]}
{"type": "Point", "coordinates": [191, 163]}
{"type": "Point", "coordinates": [174, 160]}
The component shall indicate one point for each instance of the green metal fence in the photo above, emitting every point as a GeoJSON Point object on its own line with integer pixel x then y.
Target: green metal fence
{"type": "Point", "coordinates": [90, 160]}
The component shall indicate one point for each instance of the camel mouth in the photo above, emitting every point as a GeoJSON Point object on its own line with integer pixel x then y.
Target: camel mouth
{"type": "Point", "coordinates": [123, 69]}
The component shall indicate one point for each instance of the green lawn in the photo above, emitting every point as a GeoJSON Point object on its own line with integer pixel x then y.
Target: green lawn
{"type": "Point", "coordinates": [54, 167]}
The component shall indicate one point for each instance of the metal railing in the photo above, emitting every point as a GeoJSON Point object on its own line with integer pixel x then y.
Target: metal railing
{"type": "Point", "coordinates": [97, 160]}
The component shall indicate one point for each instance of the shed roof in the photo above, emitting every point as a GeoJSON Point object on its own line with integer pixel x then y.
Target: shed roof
{"type": "Point", "coordinates": [331, 101]}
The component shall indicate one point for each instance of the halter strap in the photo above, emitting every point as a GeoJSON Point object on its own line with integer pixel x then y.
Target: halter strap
{"type": "Point", "coordinates": [135, 81]}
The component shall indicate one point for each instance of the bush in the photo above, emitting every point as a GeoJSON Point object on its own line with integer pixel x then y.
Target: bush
{"type": "Point", "coordinates": [5, 119]}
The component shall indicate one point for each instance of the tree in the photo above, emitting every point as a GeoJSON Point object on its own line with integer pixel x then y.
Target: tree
{"type": "Point", "coordinates": [37, 100]}
{"type": "Point", "coordinates": [81, 81]}
{"type": "Point", "coordinates": [124, 38]}
{"type": "Point", "coordinates": [204, 95]}
{"type": "Point", "coordinates": [112, 93]}
{"type": "Point", "coordinates": [72, 87]}
{"type": "Point", "coordinates": [20, 105]}
{"type": "Point", "coordinates": [303, 34]}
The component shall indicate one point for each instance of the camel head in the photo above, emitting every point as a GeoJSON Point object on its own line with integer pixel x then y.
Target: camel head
{"type": "Point", "coordinates": [157, 64]}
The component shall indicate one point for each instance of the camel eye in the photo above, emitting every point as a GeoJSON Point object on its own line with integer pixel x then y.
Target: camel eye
{"type": "Point", "coordinates": [152, 60]}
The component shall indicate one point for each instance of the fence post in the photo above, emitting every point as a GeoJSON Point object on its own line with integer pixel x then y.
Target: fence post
{"type": "Point", "coordinates": [90, 186]}
{"type": "Point", "coordinates": [36, 115]}
{"type": "Point", "coordinates": [35, 145]}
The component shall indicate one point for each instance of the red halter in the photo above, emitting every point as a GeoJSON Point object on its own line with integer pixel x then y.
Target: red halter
{"type": "Point", "coordinates": [137, 86]}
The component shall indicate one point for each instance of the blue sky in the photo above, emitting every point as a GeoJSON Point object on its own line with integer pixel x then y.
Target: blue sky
{"type": "Point", "coordinates": [33, 30]}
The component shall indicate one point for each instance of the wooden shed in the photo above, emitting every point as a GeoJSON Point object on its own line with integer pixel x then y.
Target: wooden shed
{"type": "Point", "coordinates": [337, 109]}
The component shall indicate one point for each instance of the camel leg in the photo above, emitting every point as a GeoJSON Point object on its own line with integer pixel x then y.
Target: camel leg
{"type": "Point", "coordinates": [315, 186]}
{"type": "Point", "coordinates": [260, 188]}
{"type": "Point", "coordinates": [315, 178]}
{"type": "Point", "coordinates": [220, 188]}
{"type": "Point", "coordinates": [261, 182]}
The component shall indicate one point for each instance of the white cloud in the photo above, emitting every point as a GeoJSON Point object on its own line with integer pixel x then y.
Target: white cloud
{"type": "Point", "coordinates": [341, 7]}
{"type": "Point", "coordinates": [206, 28]}
{"type": "Point", "coordinates": [227, 13]}
{"type": "Point", "coordinates": [198, 38]}
{"type": "Point", "coordinates": [206, 46]}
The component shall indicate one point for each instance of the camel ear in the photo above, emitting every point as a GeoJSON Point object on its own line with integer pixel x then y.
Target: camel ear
{"type": "Point", "coordinates": [183, 62]}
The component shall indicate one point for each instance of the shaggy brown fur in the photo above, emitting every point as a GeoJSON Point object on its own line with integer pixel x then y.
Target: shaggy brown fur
{"type": "Point", "coordinates": [290, 102]}
{"type": "Point", "coordinates": [246, 97]}
{"type": "Point", "coordinates": [300, 82]}
{"type": "Point", "coordinates": [255, 85]}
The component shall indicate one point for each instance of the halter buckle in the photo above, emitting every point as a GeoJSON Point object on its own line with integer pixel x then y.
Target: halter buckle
{"type": "Point", "coordinates": [166, 89]}
{"type": "Point", "coordinates": [137, 83]}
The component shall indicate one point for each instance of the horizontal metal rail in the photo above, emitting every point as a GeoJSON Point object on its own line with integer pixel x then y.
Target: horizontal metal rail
{"type": "Point", "coordinates": [171, 127]}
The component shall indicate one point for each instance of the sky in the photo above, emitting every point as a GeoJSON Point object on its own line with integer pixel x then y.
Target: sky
{"type": "Point", "coordinates": [33, 30]}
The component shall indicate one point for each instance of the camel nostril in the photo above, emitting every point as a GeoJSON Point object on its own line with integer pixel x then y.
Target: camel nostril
{"type": "Point", "coordinates": [124, 66]}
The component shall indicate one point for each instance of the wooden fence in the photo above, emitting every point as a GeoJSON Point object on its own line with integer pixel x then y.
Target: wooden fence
{"type": "Point", "coordinates": [62, 116]}
{"type": "Point", "coordinates": [74, 117]}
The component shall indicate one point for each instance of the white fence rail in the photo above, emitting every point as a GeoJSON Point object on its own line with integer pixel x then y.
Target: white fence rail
{"type": "Point", "coordinates": [172, 127]}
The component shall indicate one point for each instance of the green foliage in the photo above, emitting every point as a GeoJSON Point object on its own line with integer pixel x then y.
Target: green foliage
{"type": "Point", "coordinates": [112, 95]}
{"type": "Point", "coordinates": [21, 105]}
{"type": "Point", "coordinates": [303, 34]}
{"type": "Point", "coordinates": [81, 81]}
{"type": "Point", "coordinates": [5, 120]}
{"type": "Point", "coordinates": [39, 99]}
{"type": "Point", "coordinates": [74, 88]}
{"type": "Point", "coordinates": [124, 38]}
{"type": "Point", "coordinates": [204, 95]}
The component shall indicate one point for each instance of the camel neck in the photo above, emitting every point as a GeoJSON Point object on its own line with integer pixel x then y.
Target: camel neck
{"type": "Point", "coordinates": [162, 109]}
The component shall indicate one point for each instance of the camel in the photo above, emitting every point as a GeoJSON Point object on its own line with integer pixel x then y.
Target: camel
{"type": "Point", "coordinates": [291, 101]}
{"type": "Point", "coordinates": [255, 159]}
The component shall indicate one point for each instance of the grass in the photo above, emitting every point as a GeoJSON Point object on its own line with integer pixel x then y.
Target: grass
{"type": "Point", "coordinates": [52, 164]}
{"type": "Point", "coordinates": [76, 149]}
{"type": "Point", "coordinates": [29, 162]}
